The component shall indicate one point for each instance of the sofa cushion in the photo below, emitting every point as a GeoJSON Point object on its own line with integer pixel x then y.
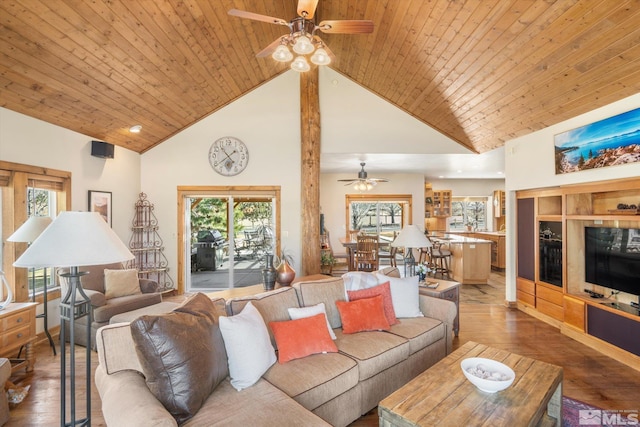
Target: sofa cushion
{"type": "Point", "coordinates": [261, 405]}
{"type": "Point", "coordinates": [327, 291]}
{"type": "Point", "coordinates": [420, 331]}
{"type": "Point", "coordinates": [272, 306]}
{"type": "Point", "coordinates": [248, 345]}
{"type": "Point", "coordinates": [355, 280]}
{"type": "Point", "coordinates": [302, 337]}
{"type": "Point", "coordinates": [363, 315]}
{"type": "Point", "coordinates": [182, 355]}
{"type": "Point", "coordinates": [316, 379]}
{"type": "Point", "coordinates": [119, 305]}
{"type": "Point", "coordinates": [120, 283]}
{"type": "Point", "coordinates": [299, 313]}
{"type": "Point", "coordinates": [374, 351]}
{"type": "Point", "coordinates": [404, 295]}
{"type": "Point", "coordinates": [385, 291]}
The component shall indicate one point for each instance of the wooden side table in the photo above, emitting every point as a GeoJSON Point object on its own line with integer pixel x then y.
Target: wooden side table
{"type": "Point", "coordinates": [446, 290]}
{"type": "Point", "coordinates": [17, 329]}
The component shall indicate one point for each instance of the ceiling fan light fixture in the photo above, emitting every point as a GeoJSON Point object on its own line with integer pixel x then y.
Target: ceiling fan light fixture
{"type": "Point", "coordinates": [320, 57]}
{"type": "Point", "coordinates": [300, 64]}
{"type": "Point", "coordinates": [282, 54]}
{"type": "Point", "coordinates": [303, 45]}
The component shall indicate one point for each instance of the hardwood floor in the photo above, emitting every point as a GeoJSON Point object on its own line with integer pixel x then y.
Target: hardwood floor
{"type": "Point", "coordinates": [588, 375]}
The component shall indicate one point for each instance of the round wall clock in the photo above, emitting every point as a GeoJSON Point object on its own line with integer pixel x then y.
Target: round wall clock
{"type": "Point", "coordinates": [228, 156]}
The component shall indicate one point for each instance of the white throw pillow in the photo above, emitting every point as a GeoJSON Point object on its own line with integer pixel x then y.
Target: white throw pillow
{"type": "Point", "coordinates": [120, 283]}
{"type": "Point", "coordinates": [302, 312]}
{"type": "Point", "coordinates": [356, 280]}
{"type": "Point", "coordinates": [248, 346]}
{"type": "Point", "coordinates": [404, 295]}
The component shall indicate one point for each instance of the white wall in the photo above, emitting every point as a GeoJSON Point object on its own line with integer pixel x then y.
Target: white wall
{"type": "Point", "coordinates": [530, 163]}
{"type": "Point", "coordinates": [33, 142]}
{"type": "Point", "coordinates": [267, 121]}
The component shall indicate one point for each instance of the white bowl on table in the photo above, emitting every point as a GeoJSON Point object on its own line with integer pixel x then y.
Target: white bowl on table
{"type": "Point", "coordinates": [488, 375]}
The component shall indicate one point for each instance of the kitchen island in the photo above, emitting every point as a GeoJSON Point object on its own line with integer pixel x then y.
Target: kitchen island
{"type": "Point", "coordinates": [470, 258]}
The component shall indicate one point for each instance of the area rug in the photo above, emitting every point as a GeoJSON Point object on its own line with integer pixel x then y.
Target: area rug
{"type": "Point", "coordinates": [577, 414]}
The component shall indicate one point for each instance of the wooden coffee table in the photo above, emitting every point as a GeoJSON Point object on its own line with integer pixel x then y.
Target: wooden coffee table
{"type": "Point", "coordinates": [442, 395]}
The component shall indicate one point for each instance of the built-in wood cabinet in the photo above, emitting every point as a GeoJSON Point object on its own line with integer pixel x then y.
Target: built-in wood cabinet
{"type": "Point", "coordinates": [437, 208]}
{"type": "Point", "coordinates": [442, 203]}
{"type": "Point", "coordinates": [551, 228]}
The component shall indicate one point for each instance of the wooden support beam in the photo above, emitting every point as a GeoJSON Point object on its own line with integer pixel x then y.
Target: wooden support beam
{"type": "Point", "coordinates": [310, 173]}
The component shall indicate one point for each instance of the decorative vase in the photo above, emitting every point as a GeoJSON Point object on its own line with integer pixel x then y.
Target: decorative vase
{"type": "Point", "coordinates": [422, 276]}
{"type": "Point", "coordinates": [285, 273]}
{"type": "Point", "coordinates": [269, 274]}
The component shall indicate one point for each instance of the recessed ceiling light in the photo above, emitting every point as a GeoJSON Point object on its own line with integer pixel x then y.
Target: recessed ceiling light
{"type": "Point", "coordinates": [441, 176]}
{"type": "Point", "coordinates": [459, 171]}
{"type": "Point", "coordinates": [135, 129]}
{"type": "Point", "coordinates": [499, 172]}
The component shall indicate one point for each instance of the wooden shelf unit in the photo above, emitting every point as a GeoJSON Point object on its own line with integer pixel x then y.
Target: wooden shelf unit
{"type": "Point", "coordinates": [436, 212]}
{"type": "Point", "coordinates": [589, 320]}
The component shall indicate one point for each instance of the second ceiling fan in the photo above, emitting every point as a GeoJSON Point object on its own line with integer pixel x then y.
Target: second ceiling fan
{"type": "Point", "coordinates": [363, 182]}
{"type": "Point", "coordinates": [302, 37]}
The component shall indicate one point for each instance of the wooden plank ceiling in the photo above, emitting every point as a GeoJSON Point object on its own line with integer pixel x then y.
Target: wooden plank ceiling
{"type": "Point", "coordinates": [479, 71]}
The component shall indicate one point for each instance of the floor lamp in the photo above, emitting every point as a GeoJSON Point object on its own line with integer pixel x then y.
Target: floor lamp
{"type": "Point", "coordinates": [74, 239]}
{"type": "Point", "coordinates": [27, 233]}
{"type": "Point", "coordinates": [410, 237]}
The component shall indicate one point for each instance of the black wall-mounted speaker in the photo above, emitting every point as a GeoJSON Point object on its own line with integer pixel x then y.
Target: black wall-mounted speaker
{"type": "Point", "coordinates": [104, 150]}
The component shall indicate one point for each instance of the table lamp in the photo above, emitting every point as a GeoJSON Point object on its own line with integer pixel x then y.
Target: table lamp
{"type": "Point", "coordinates": [74, 239]}
{"type": "Point", "coordinates": [27, 233]}
{"type": "Point", "coordinates": [410, 237]}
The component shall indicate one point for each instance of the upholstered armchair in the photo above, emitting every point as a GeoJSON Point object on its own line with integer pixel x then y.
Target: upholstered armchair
{"type": "Point", "coordinates": [112, 291]}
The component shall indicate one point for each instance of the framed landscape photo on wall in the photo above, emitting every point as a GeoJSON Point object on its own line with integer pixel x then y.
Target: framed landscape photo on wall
{"type": "Point", "coordinates": [609, 142]}
{"type": "Point", "coordinates": [100, 201]}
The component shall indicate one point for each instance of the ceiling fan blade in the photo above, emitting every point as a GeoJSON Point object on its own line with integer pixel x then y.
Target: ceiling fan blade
{"type": "Point", "coordinates": [346, 27]}
{"type": "Point", "coordinates": [348, 181]}
{"type": "Point", "coordinates": [378, 179]}
{"type": "Point", "coordinates": [269, 49]}
{"type": "Point", "coordinates": [257, 17]}
{"type": "Point", "coordinates": [306, 8]}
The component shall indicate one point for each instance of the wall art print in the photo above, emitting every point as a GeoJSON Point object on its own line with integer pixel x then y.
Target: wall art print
{"type": "Point", "coordinates": [100, 201]}
{"type": "Point", "coordinates": [609, 142]}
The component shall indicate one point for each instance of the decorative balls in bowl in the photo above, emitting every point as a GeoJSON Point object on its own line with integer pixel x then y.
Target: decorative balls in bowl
{"type": "Point", "coordinates": [488, 375]}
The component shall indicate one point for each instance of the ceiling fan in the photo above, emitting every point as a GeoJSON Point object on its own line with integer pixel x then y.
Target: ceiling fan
{"type": "Point", "coordinates": [363, 183]}
{"type": "Point", "coordinates": [302, 37]}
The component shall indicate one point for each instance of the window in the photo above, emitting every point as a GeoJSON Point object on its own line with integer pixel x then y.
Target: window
{"type": "Point", "coordinates": [468, 211]}
{"type": "Point", "coordinates": [40, 202]}
{"type": "Point", "coordinates": [42, 192]}
{"type": "Point", "coordinates": [382, 215]}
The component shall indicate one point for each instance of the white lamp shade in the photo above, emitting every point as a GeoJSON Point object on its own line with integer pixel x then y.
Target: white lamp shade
{"type": "Point", "coordinates": [75, 239]}
{"type": "Point", "coordinates": [320, 57]}
{"type": "Point", "coordinates": [30, 230]}
{"type": "Point", "coordinates": [411, 237]}
{"type": "Point", "coordinates": [303, 45]}
{"type": "Point", "coordinates": [282, 54]}
{"type": "Point", "coordinates": [300, 64]}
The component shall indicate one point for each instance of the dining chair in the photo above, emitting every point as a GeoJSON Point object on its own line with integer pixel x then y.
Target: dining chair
{"type": "Point", "coordinates": [366, 254]}
{"type": "Point", "coordinates": [341, 260]}
{"type": "Point", "coordinates": [386, 251]}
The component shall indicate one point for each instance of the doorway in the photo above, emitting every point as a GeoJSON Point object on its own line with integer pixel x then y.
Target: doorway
{"type": "Point", "coordinates": [226, 233]}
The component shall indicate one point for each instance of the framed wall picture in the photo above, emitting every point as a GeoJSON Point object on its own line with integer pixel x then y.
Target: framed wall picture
{"type": "Point", "coordinates": [100, 201]}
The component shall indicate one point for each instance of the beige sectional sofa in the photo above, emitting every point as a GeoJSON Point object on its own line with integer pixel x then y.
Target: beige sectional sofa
{"type": "Point", "coordinates": [320, 389]}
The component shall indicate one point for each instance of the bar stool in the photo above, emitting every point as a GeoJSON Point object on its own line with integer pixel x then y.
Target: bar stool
{"type": "Point", "coordinates": [440, 260]}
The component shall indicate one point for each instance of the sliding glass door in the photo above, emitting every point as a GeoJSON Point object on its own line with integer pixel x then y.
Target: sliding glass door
{"type": "Point", "coordinates": [226, 238]}
{"type": "Point", "coordinates": [380, 215]}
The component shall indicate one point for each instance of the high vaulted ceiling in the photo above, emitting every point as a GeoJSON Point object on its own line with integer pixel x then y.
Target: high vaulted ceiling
{"type": "Point", "coordinates": [481, 72]}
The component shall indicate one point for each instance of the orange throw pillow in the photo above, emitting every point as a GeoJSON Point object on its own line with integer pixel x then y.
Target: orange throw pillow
{"type": "Point", "coordinates": [387, 302]}
{"type": "Point", "coordinates": [363, 315]}
{"type": "Point", "coordinates": [302, 337]}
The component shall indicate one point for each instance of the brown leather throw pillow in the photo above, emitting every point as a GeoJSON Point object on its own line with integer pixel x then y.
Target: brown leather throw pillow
{"type": "Point", "coordinates": [182, 355]}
